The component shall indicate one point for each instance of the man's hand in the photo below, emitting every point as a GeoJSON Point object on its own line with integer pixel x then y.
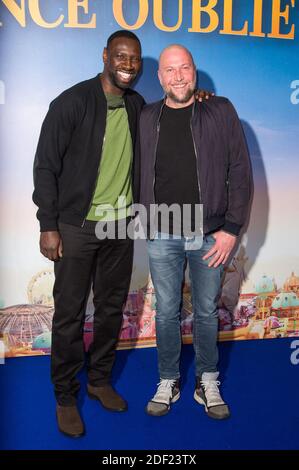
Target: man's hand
{"type": "Point", "coordinates": [224, 243]}
{"type": "Point", "coordinates": [203, 94]}
{"type": "Point", "coordinates": [50, 244]}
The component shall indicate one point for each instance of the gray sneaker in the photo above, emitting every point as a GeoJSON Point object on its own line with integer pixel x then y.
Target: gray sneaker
{"type": "Point", "coordinates": [207, 394]}
{"type": "Point", "coordinates": [168, 392]}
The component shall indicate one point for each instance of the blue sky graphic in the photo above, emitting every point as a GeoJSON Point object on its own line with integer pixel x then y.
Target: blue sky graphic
{"type": "Point", "coordinates": [255, 73]}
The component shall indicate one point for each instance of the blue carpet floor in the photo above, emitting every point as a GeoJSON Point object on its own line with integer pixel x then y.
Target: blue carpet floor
{"type": "Point", "coordinates": [259, 382]}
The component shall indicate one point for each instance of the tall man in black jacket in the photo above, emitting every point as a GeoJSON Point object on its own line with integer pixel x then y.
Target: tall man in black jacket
{"type": "Point", "coordinates": [85, 159]}
{"type": "Point", "coordinates": [191, 153]}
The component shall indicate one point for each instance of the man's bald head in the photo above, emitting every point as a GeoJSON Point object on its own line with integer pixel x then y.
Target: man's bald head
{"type": "Point", "coordinates": [177, 75]}
{"type": "Point", "coordinates": [174, 49]}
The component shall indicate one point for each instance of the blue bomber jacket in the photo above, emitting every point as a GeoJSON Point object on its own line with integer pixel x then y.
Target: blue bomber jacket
{"type": "Point", "coordinates": [223, 165]}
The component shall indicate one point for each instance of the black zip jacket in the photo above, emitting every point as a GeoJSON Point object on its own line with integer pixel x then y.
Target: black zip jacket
{"type": "Point", "coordinates": [69, 153]}
{"type": "Point", "coordinates": [223, 166]}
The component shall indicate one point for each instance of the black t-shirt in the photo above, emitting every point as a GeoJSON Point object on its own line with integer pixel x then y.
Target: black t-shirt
{"type": "Point", "coordinates": [176, 169]}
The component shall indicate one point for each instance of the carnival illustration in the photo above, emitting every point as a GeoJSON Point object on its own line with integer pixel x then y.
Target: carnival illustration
{"type": "Point", "coordinates": [247, 310]}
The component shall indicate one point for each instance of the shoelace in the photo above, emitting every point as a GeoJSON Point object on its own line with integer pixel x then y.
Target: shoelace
{"type": "Point", "coordinates": [165, 385]}
{"type": "Point", "coordinates": [211, 387]}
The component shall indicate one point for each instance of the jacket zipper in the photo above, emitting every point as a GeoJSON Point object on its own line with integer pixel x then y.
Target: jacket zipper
{"type": "Point", "coordinates": [156, 146]}
{"type": "Point", "coordinates": [155, 151]}
{"type": "Point", "coordinates": [196, 155]}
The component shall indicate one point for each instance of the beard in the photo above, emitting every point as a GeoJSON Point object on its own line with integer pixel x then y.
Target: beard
{"type": "Point", "coordinates": [183, 98]}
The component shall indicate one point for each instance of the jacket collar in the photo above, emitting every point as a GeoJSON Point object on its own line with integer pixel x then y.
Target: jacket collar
{"type": "Point", "coordinates": [162, 103]}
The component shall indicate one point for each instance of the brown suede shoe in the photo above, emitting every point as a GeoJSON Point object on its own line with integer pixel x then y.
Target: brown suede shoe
{"type": "Point", "coordinates": [69, 421]}
{"type": "Point", "coordinates": [108, 397]}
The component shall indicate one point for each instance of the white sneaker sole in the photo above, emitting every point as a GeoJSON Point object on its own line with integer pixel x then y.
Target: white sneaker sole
{"type": "Point", "coordinates": [167, 407]}
{"type": "Point", "coordinates": [173, 400]}
{"type": "Point", "coordinates": [209, 413]}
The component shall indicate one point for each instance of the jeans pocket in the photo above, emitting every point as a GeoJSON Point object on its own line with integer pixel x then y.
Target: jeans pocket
{"type": "Point", "coordinates": [210, 239]}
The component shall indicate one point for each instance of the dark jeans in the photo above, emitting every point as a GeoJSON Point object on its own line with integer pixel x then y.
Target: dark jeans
{"type": "Point", "coordinates": [107, 264]}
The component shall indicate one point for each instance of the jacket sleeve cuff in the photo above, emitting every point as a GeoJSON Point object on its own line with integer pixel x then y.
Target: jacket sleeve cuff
{"type": "Point", "coordinates": [230, 227]}
{"type": "Point", "coordinates": [48, 225]}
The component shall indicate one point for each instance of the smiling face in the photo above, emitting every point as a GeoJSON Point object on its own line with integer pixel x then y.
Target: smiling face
{"type": "Point", "coordinates": [122, 62]}
{"type": "Point", "coordinates": [177, 76]}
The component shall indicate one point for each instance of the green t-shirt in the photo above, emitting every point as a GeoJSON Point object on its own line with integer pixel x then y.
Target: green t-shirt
{"type": "Point", "coordinates": [114, 178]}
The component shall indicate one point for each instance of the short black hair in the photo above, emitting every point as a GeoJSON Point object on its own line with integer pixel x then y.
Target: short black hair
{"type": "Point", "coordinates": [123, 33]}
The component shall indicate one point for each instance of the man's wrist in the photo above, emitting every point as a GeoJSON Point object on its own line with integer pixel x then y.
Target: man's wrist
{"type": "Point", "coordinates": [231, 228]}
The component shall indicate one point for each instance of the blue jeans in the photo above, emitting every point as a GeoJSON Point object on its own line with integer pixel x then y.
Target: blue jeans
{"type": "Point", "coordinates": [167, 262]}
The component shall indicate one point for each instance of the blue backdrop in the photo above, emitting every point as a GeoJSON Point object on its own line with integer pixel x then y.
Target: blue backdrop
{"type": "Point", "coordinates": [244, 49]}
